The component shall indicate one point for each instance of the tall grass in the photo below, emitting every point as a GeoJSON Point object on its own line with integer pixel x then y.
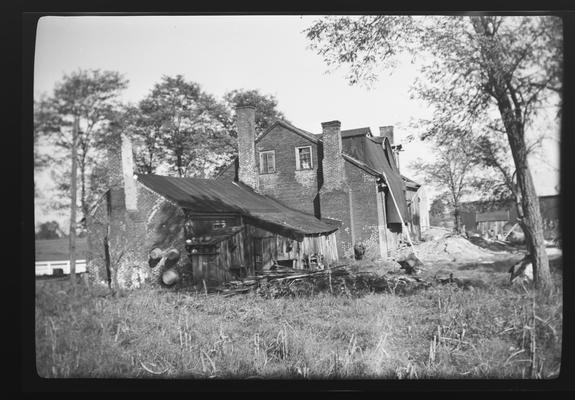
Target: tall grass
{"type": "Point", "coordinates": [441, 332]}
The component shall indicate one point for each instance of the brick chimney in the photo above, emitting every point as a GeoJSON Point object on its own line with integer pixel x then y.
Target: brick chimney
{"type": "Point", "coordinates": [333, 170]}
{"type": "Point", "coordinates": [386, 131]}
{"type": "Point", "coordinates": [121, 173]}
{"type": "Point", "coordinates": [246, 125]}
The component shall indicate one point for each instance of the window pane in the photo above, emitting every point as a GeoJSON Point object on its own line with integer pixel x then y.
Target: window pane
{"type": "Point", "coordinates": [263, 163]}
{"type": "Point", "coordinates": [271, 162]}
{"type": "Point", "coordinates": [305, 158]}
{"type": "Point", "coordinates": [267, 162]}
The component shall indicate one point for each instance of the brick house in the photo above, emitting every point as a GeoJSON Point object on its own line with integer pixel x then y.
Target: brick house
{"type": "Point", "coordinates": [350, 176]}
{"type": "Point", "coordinates": [290, 197]}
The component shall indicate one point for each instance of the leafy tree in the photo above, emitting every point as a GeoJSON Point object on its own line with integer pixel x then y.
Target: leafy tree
{"type": "Point", "coordinates": [78, 113]}
{"type": "Point", "coordinates": [473, 67]}
{"type": "Point", "coordinates": [437, 207]}
{"type": "Point", "coordinates": [144, 123]}
{"type": "Point", "coordinates": [188, 124]}
{"type": "Point", "coordinates": [266, 107]}
{"type": "Point", "coordinates": [49, 230]}
{"type": "Point", "coordinates": [452, 169]}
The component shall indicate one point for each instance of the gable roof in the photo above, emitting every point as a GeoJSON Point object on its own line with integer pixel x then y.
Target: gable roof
{"type": "Point", "coordinates": [308, 135]}
{"type": "Point", "coordinates": [356, 132]}
{"type": "Point", "coordinates": [209, 196]}
{"type": "Point", "coordinates": [379, 158]}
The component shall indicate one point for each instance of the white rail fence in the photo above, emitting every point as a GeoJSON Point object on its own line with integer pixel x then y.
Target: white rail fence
{"type": "Point", "coordinates": [48, 267]}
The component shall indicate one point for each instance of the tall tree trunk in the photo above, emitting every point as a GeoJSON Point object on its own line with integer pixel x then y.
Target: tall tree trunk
{"type": "Point", "coordinates": [456, 214]}
{"type": "Point", "coordinates": [511, 113]}
{"type": "Point", "coordinates": [72, 243]}
{"type": "Point", "coordinates": [179, 165]}
{"type": "Point", "coordinates": [83, 201]}
{"type": "Point", "coordinates": [531, 222]}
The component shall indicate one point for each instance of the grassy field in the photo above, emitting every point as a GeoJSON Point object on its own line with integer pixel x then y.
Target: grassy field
{"type": "Point", "coordinates": [495, 331]}
{"type": "Point", "coordinates": [57, 249]}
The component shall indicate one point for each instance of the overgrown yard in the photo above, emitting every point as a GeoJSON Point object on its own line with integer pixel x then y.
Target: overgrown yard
{"type": "Point", "coordinates": [445, 331]}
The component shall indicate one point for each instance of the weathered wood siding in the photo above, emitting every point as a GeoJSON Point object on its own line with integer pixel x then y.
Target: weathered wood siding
{"type": "Point", "coordinates": [254, 249]}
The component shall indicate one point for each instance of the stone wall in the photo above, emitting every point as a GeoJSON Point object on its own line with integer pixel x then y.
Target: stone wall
{"type": "Point", "coordinates": [131, 235]}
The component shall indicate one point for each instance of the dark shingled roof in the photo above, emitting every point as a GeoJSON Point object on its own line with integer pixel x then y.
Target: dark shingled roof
{"type": "Point", "coordinates": [209, 196]}
{"type": "Point", "coordinates": [356, 132]}
{"type": "Point", "coordinates": [379, 157]}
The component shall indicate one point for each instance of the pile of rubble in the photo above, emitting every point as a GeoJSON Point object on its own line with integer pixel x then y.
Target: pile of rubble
{"type": "Point", "coordinates": [339, 280]}
{"type": "Point", "coordinates": [451, 248]}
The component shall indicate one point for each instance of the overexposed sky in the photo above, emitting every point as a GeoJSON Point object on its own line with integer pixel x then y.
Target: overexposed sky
{"type": "Point", "coordinates": [223, 53]}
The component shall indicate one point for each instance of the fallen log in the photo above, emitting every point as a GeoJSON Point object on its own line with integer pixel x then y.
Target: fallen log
{"type": "Point", "coordinates": [170, 277]}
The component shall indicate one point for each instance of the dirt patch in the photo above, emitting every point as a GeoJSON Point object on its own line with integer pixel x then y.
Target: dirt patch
{"type": "Point", "coordinates": [497, 246]}
{"type": "Point", "coordinates": [452, 248]}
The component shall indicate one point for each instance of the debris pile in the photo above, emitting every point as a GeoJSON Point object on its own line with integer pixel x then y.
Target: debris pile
{"type": "Point", "coordinates": [451, 248]}
{"type": "Point", "coordinates": [340, 280]}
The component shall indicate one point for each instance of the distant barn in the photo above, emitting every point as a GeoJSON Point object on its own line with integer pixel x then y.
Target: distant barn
{"type": "Point", "coordinates": [485, 218]}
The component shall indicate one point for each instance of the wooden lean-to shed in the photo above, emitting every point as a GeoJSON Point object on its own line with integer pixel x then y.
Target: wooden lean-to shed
{"type": "Point", "coordinates": [232, 231]}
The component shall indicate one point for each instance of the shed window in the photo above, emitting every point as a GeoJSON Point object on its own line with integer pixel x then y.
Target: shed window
{"type": "Point", "coordinates": [303, 157]}
{"type": "Point", "coordinates": [267, 162]}
{"type": "Point", "coordinates": [219, 224]}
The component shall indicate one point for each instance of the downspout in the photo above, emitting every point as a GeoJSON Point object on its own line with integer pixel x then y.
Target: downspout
{"type": "Point", "coordinates": [351, 219]}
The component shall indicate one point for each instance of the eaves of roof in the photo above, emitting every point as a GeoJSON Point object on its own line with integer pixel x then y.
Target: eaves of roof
{"type": "Point", "coordinates": [361, 165]}
{"type": "Point", "coordinates": [308, 135]}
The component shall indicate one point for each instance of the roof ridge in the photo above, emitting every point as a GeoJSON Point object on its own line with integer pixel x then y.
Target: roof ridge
{"type": "Point", "coordinates": [308, 135]}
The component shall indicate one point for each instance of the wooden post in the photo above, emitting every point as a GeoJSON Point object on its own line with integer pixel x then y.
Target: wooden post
{"type": "Point", "coordinates": [399, 213]}
{"type": "Point", "coordinates": [74, 172]}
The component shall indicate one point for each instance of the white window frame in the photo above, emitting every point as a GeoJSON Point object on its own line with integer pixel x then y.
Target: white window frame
{"type": "Point", "coordinates": [262, 162]}
{"type": "Point", "coordinates": [297, 160]}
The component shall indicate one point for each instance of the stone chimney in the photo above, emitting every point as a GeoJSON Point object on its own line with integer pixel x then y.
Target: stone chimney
{"type": "Point", "coordinates": [246, 125]}
{"type": "Point", "coordinates": [333, 170]}
{"type": "Point", "coordinates": [121, 173]}
{"type": "Point", "coordinates": [386, 131]}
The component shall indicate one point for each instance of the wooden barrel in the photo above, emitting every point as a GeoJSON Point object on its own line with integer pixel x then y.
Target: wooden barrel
{"type": "Point", "coordinates": [170, 277]}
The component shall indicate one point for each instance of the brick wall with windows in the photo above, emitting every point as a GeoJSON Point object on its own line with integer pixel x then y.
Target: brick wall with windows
{"type": "Point", "coordinates": [294, 188]}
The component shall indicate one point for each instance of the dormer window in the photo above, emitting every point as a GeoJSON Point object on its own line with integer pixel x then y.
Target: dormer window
{"type": "Point", "coordinates": [267, 162]}
{"type": "Point", "coordinates": [303, 159]}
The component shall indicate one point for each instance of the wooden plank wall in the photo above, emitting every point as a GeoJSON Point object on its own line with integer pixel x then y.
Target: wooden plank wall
{"type": "Point", "coordinates": [253, 248]}
{"type": "Point", "coordinates": [325, 245]}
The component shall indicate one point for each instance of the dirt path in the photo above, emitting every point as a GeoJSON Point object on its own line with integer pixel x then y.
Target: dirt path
{"type": "Point", "coordinates": [479, 261]}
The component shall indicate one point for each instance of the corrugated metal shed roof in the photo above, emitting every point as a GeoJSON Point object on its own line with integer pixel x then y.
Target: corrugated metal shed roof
{"type": "Point", "coordinates": [208, 196]}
